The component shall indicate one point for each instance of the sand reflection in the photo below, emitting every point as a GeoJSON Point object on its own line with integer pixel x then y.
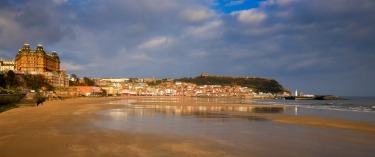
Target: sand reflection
{"type": "Point", "coordinates": [238, 128]}
{"type": "Point", "coordinates": [194, 110]}
{"type": "Point", "coordinates": [206, 111]}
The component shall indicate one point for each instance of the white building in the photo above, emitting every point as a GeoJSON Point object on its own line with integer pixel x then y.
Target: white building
{"type": "Point", "coordinates": [6, 64]}
{"type": "Point", "coordinates": [116, 80]}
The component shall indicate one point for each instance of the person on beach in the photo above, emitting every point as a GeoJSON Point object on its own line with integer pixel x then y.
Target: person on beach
{"type": "Point", "coordinates": [40, 101]}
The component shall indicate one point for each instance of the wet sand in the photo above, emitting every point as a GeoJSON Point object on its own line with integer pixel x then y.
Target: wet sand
{"type": "Point", "coordinates": [282, 118]}
{"type": "Point", "coordinates": [64, 128]}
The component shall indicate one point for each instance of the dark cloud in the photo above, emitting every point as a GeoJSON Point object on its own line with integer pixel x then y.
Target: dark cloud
{"type": "Point", "coordinates": [303, 44]}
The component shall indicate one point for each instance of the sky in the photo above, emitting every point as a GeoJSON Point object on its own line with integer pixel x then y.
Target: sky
{"type": "Point", "coordinates": [314, 46]}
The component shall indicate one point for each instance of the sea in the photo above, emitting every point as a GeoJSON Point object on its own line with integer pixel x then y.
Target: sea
{"type": "Point", "coordinates": [348, 108]}
{"type": "Point", "coordinates": [248, 136]}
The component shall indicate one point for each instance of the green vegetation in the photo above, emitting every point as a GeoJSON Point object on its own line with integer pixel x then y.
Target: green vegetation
{"type": "Point", "coordinates": [104, 92]}
{"type": "Point", "coordinates": [7, 107]}
{"type": "Point", "coordinates": [8, 101]}
{"type": "Point", "coordinates": [36, 82]}
{"type": "Point", "coordinates": [10, 98]}
{"type": "Point", "coordinates": [12, 82]}
{"type": "Point", "coordinates": [75, 81]}
{"type": "Point", "coordinates": [86, 81]}
{"type": "Point", "coordinates": [256, 83]}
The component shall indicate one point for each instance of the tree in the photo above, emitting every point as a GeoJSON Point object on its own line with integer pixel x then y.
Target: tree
{"type": "Point", "coordinates": [36, 82]}
{"type": "Point", "coordinates": [256, 83]}
{"type": "Point", "coordinates": [104, 92]}
{"type": "Point", "coordinates": [74, 76]}
{"type": "Point", "coordinates": [75, 81]}
{"type": "Point", "coordinates": [9, 79]}
{"type": "Point", "coordinates": [2, 80]}
{"type": "Point", "coordinates": [88, 82]}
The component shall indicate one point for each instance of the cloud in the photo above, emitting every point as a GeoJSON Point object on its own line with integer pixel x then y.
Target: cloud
{"type": "Point", "coordinates": [134, 29]}
{"type": "Point", "coordinates": [72, 67]}
{"type": "Point", "coordinates": [209, 30]}
{"type": "Point", "coordinates": [156, 43]}
{"type": "Point", "coordinates": [140, 57]}
{"type": "Point", "coordinates": [197, 15]}
{"type": "Point", "coordinates": [294, 41]}
{"type": "Point", "coordinates": [251, 16]}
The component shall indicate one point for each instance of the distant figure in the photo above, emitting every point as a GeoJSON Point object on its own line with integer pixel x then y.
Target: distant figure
{"type": "Point", "coordinates": [40, 101]}
{"type": "Point", "coordinates": [296, 110]}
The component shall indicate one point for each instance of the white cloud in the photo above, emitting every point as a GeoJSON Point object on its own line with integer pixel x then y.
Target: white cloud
{"type": "Point", "coordinates": [123, 34]}
{"type": "Point", "coordinates": [196, 15]}
{"type": "Point", "coordinates": [155, 43]}
{"type": "Point", "coordinates": [251, 16]}
{"type": "Point", "coordinates": [207, 31]}
{"type": "Point", "coordinates": [71, 66]}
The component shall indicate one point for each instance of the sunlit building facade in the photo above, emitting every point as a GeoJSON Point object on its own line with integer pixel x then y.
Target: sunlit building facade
{"type": "Point", "coordinates": [29, 61]}
{"type": "Point", "coordinates": [6, 65]}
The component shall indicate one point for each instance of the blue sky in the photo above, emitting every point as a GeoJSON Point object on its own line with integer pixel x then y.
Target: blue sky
{"type": "Point", "coordinates": [228, 6]}
{"type": "Point", "coordinates": [318, 47]}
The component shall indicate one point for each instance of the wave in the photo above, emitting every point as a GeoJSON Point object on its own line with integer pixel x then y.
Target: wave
{"type": "Point", "coordinates": [357, 105]}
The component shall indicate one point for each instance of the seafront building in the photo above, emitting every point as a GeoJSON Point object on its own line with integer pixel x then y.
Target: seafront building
{"type": "Point", "coordinates": [6, 65]}
{"type": "Point", "coordinates": [138, 87]}
{"type": "Point", "coordinates": [29, 61]}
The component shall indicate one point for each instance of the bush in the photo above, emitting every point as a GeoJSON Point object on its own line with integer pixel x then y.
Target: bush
{"type": "Point", "coordinates": [7, 107]}
{"type": "Point", "coordinates": [7, 99]}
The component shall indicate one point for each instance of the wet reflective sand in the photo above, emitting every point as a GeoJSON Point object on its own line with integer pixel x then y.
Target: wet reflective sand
{"type": "Point", "coordinates": [234, 130]}
{"type": "Point", "coordinates": [170, 126]}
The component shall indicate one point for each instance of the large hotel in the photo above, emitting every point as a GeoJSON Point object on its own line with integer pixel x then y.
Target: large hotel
{"type": "Point", "coordinates": [37, 61]}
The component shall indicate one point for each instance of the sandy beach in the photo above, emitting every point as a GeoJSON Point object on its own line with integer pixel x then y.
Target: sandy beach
{"type": "Point", "coordinates": [64, 128]}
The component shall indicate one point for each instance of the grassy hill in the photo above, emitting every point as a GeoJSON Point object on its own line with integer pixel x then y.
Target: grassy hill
{"type": "Point", "coordinates": [256, 83]}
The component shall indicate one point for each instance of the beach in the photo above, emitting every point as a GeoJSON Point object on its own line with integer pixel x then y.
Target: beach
{"type": "Point", "coordinates": [88, 127]}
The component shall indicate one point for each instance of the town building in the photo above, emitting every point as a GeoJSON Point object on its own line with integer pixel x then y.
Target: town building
{"type": "Point", "coordinates": [29, 61]}
{"type": "Point", "coordinates": [36, 61]}
{"type": "Point", "coordinates": [6, 65]}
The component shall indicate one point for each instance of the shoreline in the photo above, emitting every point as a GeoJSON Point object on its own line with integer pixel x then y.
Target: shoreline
{"type": "Point", "coordinates": [282, 118]}
{"type": "Point", "coordinates": [64, 128]}
{"type": "Point", "coordinates": [186, 101]}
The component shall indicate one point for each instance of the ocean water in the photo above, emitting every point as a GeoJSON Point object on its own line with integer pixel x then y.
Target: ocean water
{"type": "Point", "coordinates": [350, 108]}
{"type": "Point", "coordinates": [242, 135]}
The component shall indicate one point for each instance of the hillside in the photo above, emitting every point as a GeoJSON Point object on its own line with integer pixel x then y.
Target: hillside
{"type": "Point", "coordinates": [256, 83]}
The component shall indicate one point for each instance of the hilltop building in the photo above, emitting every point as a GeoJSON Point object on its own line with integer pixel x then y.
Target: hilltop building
{"type": "Point", "coordinates": [6, 65]}
{"type": "Point", "coordinates": [149, 80]}
{"type": "Point", "coordinates": [37, 61]}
